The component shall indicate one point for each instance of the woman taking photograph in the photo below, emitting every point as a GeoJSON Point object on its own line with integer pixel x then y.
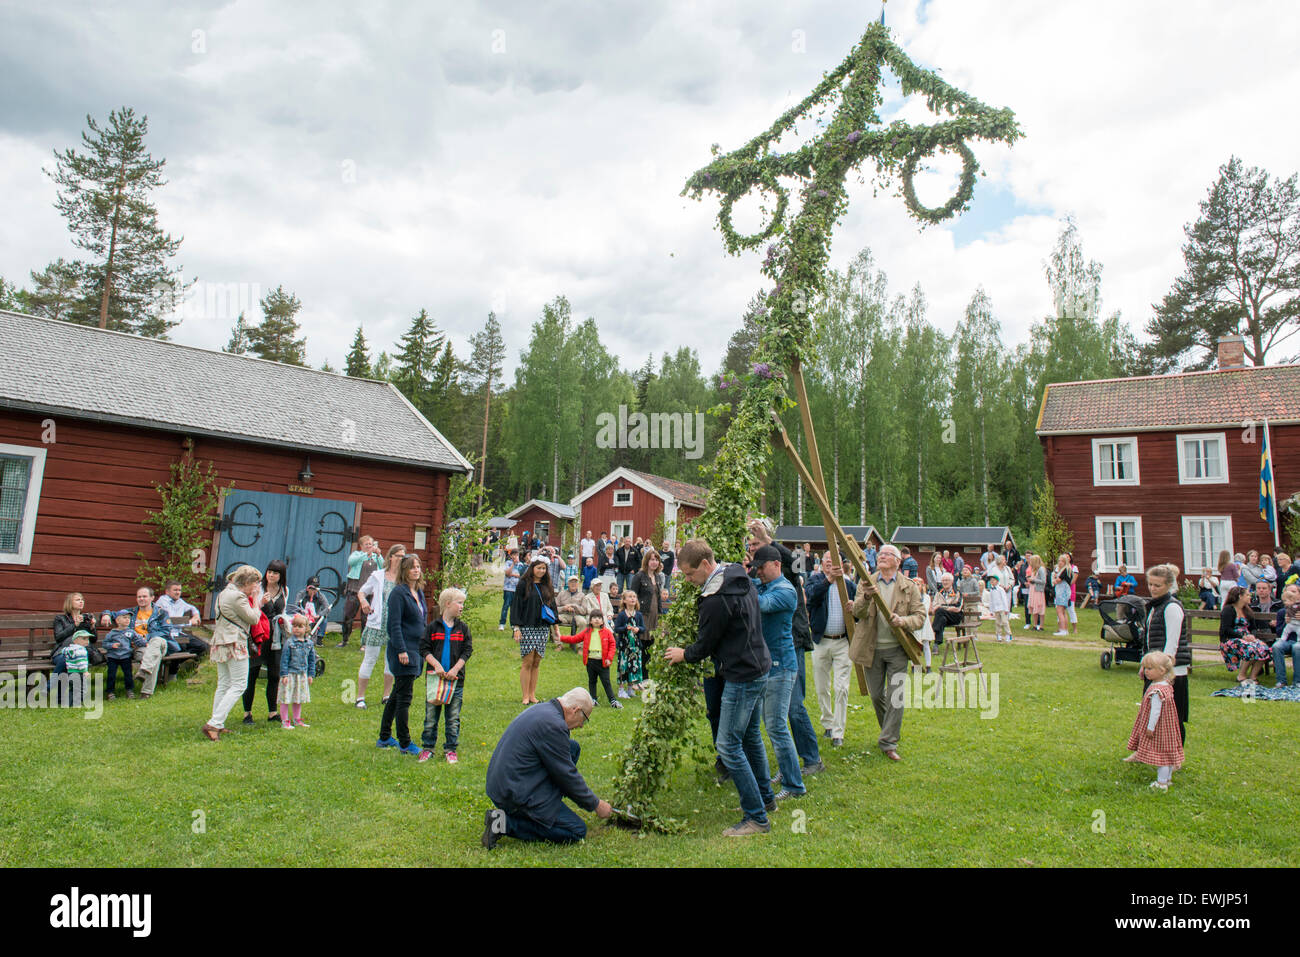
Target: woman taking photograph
{"type": "Point", "coordinates": [238, 609]}
{"type": "Point", "coordinates": [373, 596]}
{"type": "Point", "coordinates": [1242, 652]}
{"type": "Point", "coordinates": [534, 600]}
{"type": "Point", "coordinates": [408, 622]}
{"type": "Point", "coordinates": [265, 653]}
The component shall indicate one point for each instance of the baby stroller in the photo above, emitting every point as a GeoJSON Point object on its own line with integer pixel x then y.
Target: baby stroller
{"type": "Point", "coordinates": [282, 627]}
{"type": "Point", "coordinates": [1123, 625]}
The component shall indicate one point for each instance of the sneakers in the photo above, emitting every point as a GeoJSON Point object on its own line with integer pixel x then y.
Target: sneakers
{"type": "Point", "coordinates": [248, 719]}
{"type": "Point", "coordinates": [494, 825]}
{"type": "Point", "coordinates": [787, 795]}
{"type": "Point", "coordinates": [1060, 634]}
{"type": "Point", "coordinates": [286, 725]}
{"type": "Point", "coordinates": [111, 696]}
{"type": "Point", "coordinates": [746, 828]}
{"type": "Point", "coordinates": [827, 733]}
{"type": "Point", "coordinates": [501, 627]}
{"type": "Point", "coordinates": [361, 704]}
{"type": "Point", "coordinates": [1026, 626]}
{"type": "Point", "coordinates": [622, 693]}
{"type": "Point", "coordinates": [130, 695]}
{"type": "Point", "coordinates": [451, 757]}
{"type": "Point", "coordinates": [770, 807]}
{"type": "Point", "coordinates": [301, 724]}
{"type": "Point", "coordinates": [616, 705]}
{"type": "Point", "coordinates": [386, 743]}
{"type": "Point", "coordinates": [425, 755]}
{"type": "Point", "coordinates": [342, 644]}
{"type": "Point", "coordinates": [816, 768]}
{"type": "Point", "coordinates": [410, 749]}
{"type": "Point", "coordinates": [837, 742]}
{"type": "Point", "coordinates": [1159, 786]}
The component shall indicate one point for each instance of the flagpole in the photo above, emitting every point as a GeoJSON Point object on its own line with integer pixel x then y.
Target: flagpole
{"type": "Point", "coordinates": [1268, 444]}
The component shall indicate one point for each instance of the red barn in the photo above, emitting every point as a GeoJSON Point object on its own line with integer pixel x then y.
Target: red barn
{"type": "Point", "coordinates": [91, 421]}
{"type": "Point", "coordinates": [630, 503]}
{"type": "Point", "coordinates": [542, 520]}
{"type": "Point", "coordinates": [1166, 468]}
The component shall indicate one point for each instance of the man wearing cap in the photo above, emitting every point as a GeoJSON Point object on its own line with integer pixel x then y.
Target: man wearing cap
{"type": "Point", "coordinates": [572, 605]}
{"type": "Point", "coordinates": [876, 649]}
{"type": "Point", "coordinates": [730, 631]}
{"type": "Point", "coordinates": [776, 604]}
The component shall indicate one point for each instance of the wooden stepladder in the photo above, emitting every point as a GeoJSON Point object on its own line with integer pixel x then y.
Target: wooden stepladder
{"type": "Point", "coordinates": [964, 639]}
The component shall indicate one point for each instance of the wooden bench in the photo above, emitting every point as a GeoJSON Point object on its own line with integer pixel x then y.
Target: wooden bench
{"type": "Point", "coordinates": [27, 641]}
{"type": "Point", "coordinates": [1261, 627]}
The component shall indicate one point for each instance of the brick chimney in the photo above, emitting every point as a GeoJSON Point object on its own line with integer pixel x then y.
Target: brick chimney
{"type": "Point", "coordinates": [1232, 352]}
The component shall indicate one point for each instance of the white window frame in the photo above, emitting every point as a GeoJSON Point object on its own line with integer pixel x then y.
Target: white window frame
{"type": "Point", "coordinates": [1189, 568]}
{"type": "Point", "coordinates": [1096, 460]}
{"type": "Point", "coordinates": [1135, 568]}
{"type": "Point", "coordinates": [1184, 478]}
{"type": "Point", "coordinates": [622, 491]}
{"type": "Point", "coordinates": [27, 530]}
{"type": "Point", "coordinates": [620, 536]}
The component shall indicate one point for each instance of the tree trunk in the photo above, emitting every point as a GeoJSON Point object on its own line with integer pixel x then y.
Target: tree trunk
{"type": "Point", "coordinates": [984, 463]}
{"type": "Point", "coordinates": [555, 465]}
{"type": "Point", "coordinates": [920, 519]}
{"type": "Point", "coordinates": [482, 465]}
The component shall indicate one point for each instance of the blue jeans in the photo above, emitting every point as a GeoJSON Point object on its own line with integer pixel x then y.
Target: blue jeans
{"type": "Point", "coordinates": [1280, 650]}
{"type": "Point", "coordinates": [567, 829]}
{"type": "Point", "coordinates": [776, 718]}
{"type": "Point", "coordinates": [740, 745]}
{"type": "Point", "coordinates": [506, 598]}
{"type": "Point", "coordinates": [451, 729]}
{"type": "Point", "coordinates": [801, 726]}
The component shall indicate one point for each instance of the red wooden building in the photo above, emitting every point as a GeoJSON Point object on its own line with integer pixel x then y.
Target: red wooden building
{"type": "Point", "coordinates": [1166, 468]}
{"type": "Point", "coordinates": [630, 503]}
{"type": "Point", "coordinates": [91, 421]}
{"type": "Point", "coordinates": [544, 521]}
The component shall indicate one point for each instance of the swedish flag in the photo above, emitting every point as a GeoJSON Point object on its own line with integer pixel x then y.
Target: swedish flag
{"type": "Point", "coordinates": [1267, 494]}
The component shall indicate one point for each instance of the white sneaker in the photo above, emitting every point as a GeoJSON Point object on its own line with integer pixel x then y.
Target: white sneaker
{"type": "Point", "coordinates": [501, 627]}
{"type": "Point", "coordinates": [623, 694]}
{"type": "Point", "coordinates": [1060, 634]}
{"type": "Point", "coordinates": [1026, 626]}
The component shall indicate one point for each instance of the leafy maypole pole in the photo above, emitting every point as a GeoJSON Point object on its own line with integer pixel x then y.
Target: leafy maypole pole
{"type": "Point", "coordinates": [796, 261]}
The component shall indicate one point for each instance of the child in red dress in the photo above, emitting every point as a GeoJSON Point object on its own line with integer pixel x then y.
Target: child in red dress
{"type": "Point", "coordinates": [1155, 739]}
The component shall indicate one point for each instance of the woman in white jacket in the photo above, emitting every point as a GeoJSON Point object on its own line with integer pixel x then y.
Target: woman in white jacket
{"type": "Point", "coordinates": [373, 596]}
{"type": "Point", "coordinates": [238, 609]}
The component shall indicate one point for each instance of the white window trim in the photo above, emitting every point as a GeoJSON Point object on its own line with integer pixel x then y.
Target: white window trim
{"type": "Point", "coordinates": [622, 491]}
{"type": "Point", "coordinates": [620, 537]}
{"type": "Point", "coordinates": [30, 507]}
{"type": "Point", "coordinates": [1096, 460]}
{"type": "Point", "coordinates": [1136, 569]}
{"type": "Point", "coordinates": [1188, 569]}
{"type": "Point", "coordinates": [1183, 478]}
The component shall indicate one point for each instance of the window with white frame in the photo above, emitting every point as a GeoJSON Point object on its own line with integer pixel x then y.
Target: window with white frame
{"type": "Point", "coordinates": [1115, 461]}
{"type": "Point", "coordinates": [1204, 536]}
{"type": "Point", "coordinates": [623, 496]}
{"type": "Point", "coordinates": [21, 471]}
{"type": "Point", "coordinates": [1119, 542]}
{"type": "Point", "coordinates": [1202, 459]}
{"type": "Point", "coordinates": [620, 530]}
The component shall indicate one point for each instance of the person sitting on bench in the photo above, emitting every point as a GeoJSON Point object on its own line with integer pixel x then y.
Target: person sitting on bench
{"type": "Point", "coordinates": [947, 607]}
{"type": "Point", "coordinates": [171, 602]}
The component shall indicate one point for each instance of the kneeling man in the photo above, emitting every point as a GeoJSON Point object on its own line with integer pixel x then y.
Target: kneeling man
{"type": "Point", "coordinates": [534, 767]}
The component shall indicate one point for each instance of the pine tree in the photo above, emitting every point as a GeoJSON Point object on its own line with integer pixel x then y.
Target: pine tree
{"type": "Point", "coordinates": [326, 367]}
{"type": "Point", "coordinates": [276, 337]}
{"type": "Point", "coordinates": [416, 357]}
{"type": "Point", "coordinates": [357, 363]}
{"type": "Point", "coordinates": [55, 290]}
{"type": "Point", "coordinates": [239, 340]}
{"type": "Point", "coordinates": [11, 296]}
{"type": "Point", "coordinates": [104, 194]}
{"type": "Point", "coordinates": [484, 369]}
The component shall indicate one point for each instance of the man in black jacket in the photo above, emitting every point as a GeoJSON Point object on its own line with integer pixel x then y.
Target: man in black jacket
{"type": "Point", "coordinates": [628, 564]}
{"type": "Point", "coordinates": [730, 632]}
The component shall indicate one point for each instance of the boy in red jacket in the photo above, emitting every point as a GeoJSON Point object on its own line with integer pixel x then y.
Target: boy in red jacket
{"type": "Point", "coordinates": [598, 651]}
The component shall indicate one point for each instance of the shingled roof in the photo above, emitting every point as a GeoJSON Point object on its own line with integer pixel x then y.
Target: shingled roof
{"type": "Point", "coordinates": [89, 373]}
{"type": "Point", "coordinates": [1185, 400]}
{"type": "Point", "coordinates": [683, 492]}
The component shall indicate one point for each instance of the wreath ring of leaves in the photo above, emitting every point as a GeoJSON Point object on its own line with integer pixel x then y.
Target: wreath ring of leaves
{"type": "Point", "coordinates": [965, 188]}
{"type": "Point", "coordinates": [766, 179]}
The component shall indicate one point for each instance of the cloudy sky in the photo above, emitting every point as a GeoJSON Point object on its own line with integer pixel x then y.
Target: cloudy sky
{"type": "Point", "coordinates": [376, 158]}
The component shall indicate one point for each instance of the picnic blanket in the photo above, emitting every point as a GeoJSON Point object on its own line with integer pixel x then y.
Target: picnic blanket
{"type": "Point", "coordinates": [1261, 693]}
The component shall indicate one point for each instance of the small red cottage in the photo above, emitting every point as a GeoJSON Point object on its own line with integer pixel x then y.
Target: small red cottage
{"type": "Point", "coordinates": [1166, 468]}
{"type": "Point", "coordinates": [545, 521]}
{"type": "Point", "coordinates": [91, 420]}
{"type": "Point", "coordinates": [630, 503]}
{"type": "Point", "coordinates": [968, 541]}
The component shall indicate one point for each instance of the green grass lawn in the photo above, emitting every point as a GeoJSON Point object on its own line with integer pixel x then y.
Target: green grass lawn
{"type": "Point", "coordinates": [1031, 787]}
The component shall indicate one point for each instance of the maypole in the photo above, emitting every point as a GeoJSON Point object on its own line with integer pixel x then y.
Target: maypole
{"type": "Point", "coordinates": [796, 260]}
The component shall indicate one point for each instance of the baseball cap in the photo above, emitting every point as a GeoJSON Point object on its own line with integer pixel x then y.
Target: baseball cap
{"type": "Point", "coordinates": [766, 553]}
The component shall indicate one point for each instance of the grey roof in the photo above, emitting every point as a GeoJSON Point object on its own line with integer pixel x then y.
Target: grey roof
{"type": "Point", "coordinates": [91, 373]}
{"type": "Point", "coordinates": [817, 533]}
{"type": "Point", "coordinates": [951, 535]}
{"type": "Point", "coordinates": [558, 509]}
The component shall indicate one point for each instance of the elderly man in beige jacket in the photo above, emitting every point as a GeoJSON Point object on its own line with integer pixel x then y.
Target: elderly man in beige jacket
{"type": "Point", "coordinates": [876, 648]}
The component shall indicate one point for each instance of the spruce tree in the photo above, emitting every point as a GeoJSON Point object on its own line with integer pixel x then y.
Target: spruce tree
{"type": "Point", "coordinates": [104, 194]}
{"type": "Point", "coordinates": [276, 337]}
{"type": "Point", "coordinates": [239, 343]}
{"type": "Point", "coordinates": [55, 290]}
{"type": "Point", "coordinates": [357, 363]}
{"type": "Point", "coordinates": [418, 352]}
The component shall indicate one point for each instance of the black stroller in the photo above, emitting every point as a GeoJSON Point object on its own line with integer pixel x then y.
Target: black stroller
{"type": "Point", "coordinates": [1123, 625]}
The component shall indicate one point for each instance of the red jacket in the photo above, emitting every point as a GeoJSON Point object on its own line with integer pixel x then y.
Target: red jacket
{"type": "Point", "coordinates": [608, 649]}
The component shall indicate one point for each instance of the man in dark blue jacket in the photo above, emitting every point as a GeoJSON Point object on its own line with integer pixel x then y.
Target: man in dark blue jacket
{"type": "Point", "coordinates": [730, 631]}
{"type": "Point", "coordinates": [534, 767]}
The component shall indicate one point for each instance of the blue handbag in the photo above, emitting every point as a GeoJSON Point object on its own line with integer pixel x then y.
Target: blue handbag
{"type": "Point", "coordinates": [548, 615]}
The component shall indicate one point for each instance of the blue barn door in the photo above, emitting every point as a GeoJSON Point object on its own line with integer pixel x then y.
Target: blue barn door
{"type": "Point", "coordinates": [312, 536]}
